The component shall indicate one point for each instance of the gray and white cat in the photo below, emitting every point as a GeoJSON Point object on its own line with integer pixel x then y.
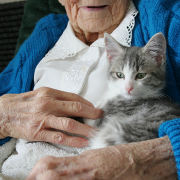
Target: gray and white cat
{"type": "Point", "coordinates": [134, 104]}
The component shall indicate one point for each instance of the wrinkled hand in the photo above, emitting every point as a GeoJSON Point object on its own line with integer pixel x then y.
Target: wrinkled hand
{"type": "Point", "coordinates": [101, 164]}
{"type": "Point", "coordinates": [42, 115]}
{"type": "Point", "coordinates": [148, 160]}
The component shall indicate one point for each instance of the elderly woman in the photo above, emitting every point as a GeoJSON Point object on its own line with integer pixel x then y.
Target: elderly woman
{"type": "Point", "coordinates": [71, 61]}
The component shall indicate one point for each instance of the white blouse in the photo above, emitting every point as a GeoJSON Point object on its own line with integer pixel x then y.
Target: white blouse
{"type": "Point", "coordinates": [75, 67]}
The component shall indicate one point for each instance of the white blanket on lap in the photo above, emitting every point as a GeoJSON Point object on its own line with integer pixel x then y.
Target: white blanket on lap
{"type": "Point", "coordinates": [22, 156]}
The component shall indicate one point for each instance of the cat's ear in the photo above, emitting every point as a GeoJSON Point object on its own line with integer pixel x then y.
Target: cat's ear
{"type": "Point", "coordinates": [156, 47]}
{"type": "Point", "coordinates": [113, 48]}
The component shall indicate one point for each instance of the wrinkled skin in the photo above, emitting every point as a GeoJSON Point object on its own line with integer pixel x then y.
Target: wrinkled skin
{"type": "Point", "coordinates": [90, 25]}
{"type": "Point", "coordinates": [39, 115]}
{"type": "Point", "coordinates": [148, 160]}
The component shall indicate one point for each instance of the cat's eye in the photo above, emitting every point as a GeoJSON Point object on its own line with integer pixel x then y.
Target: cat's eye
{"type": "Point", "coordinates": [140, 75]}
{"type": "Point", "coordinates": [120, 75]}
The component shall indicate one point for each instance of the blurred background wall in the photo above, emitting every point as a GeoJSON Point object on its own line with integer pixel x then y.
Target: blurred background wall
{"type": "Point", "coordinates": [11, 12]}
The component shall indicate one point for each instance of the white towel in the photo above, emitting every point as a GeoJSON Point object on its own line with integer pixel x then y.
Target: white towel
{"type": "Point", "coordinates": [20, 163]}
{"type": "Point", "coordinates": [7, 150]}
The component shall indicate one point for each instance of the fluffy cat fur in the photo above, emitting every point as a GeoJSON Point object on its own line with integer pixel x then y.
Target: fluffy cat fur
{"type": "Point", "coordinates": [134, 104]}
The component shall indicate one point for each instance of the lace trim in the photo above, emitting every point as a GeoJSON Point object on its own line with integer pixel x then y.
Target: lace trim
{"type": "Point", "coordinates": [59, 51]}
{"type": "Point", "coordinates": [123, 33]}
{"type": "Point", "coordinates": [130, 28]}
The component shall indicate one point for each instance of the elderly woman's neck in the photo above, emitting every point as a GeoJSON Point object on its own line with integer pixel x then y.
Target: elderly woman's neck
{"type": "Point", "coordinates": [89, 37]}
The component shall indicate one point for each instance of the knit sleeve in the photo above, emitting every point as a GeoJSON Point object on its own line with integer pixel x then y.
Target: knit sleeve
{"type": "Point", "coordinates": [172, 130]}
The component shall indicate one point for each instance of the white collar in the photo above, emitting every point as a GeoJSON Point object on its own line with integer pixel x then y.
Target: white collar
{"type": "Point", "coordinates": [123, 33]}
{"type": "Point", "coordinates": [69, 45]}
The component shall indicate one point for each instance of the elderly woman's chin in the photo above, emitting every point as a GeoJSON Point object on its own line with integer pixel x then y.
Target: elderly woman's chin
{"type": "Point", "coordinates": [94, 19]}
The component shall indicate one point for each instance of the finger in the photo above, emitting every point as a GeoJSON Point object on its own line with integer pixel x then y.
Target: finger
{"type": "Point", "coordinates": [61, 95]}
{"type": "Point", "coordinates": [77, 109]}
{"type": "Point", "coordinates": [66, 96]}
{"type": "Point", "coordinates": [43, 165]}
{"type": "Point", "coordinates": [57, 108]}
{"type": "Point", "coordinates": [61, 138]}
{"type": "Point", "coordinates": [69, 125]}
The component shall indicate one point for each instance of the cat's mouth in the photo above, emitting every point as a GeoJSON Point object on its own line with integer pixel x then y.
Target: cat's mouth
{"type": "Point", "coordinates": [129, 96]}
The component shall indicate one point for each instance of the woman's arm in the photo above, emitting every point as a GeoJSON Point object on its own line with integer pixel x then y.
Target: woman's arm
{"type": "Point", "coordinates": [149, 160]}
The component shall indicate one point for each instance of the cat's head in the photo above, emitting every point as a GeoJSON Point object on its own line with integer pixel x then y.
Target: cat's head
{"type": "Point", "coordinates": [137, 71]}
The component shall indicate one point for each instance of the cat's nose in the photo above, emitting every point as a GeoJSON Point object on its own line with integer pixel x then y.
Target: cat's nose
{"type": "Point", "coordinates": [129, 89]}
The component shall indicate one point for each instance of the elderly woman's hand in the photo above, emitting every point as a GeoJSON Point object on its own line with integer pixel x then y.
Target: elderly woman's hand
{"type": "Point", "coordinates": [149, 160]}
{"type": "Point", "coordinates": [42, 115]}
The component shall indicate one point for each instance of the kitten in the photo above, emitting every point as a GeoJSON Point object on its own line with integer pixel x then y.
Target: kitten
{"type": "Point", "coordinates": [134, 105]}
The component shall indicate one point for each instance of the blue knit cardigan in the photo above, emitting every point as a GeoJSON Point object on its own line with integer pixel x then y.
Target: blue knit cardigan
{"type": "Point", "coordinates": [154, 16]}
